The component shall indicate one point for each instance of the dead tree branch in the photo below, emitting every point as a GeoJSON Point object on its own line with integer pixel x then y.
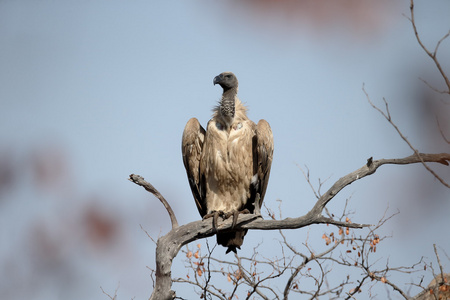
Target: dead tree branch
{"type": "Point", "coordinates": [170, 244]}
{"type": "Point", "coordinates": [150, 188]}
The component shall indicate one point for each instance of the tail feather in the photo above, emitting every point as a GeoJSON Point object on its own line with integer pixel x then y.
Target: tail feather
{"type": "Point", "coordinates": [231, 240]}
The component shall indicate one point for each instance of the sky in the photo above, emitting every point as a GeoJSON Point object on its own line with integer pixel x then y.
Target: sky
{"type": "Point", "coordinates": [92, 92]}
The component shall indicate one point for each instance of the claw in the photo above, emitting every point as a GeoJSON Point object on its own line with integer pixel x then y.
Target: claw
{"type": "Point", "coordinates": [214, 215]}
{"type": "Point", "coordinates": [207, 216]}
{"type": "Point", "coordinates": [235, 215]}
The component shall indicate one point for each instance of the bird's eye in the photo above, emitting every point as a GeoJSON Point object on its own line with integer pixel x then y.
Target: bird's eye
{"type": "Point", "coordinates": [228, 76]}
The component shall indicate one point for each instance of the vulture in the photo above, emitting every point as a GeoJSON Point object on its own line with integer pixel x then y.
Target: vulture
{"type": "Point", "coordinates": [228, 165]}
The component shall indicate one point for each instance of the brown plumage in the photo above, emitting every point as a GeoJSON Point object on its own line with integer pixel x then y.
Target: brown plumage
{"type": "Point", "coordinates": [228, 165]}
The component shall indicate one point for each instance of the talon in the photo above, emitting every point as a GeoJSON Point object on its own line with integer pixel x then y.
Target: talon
{"type": "Point", "coordinates": [207, 216]}
{"type": "Point", "coordinates": [214, 215]}
{"type": "Point", "coordinates": [235, 215]}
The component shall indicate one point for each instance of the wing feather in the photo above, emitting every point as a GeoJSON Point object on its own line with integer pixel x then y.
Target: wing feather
{"type": "Point", "coordinates": [263, 155]}
{"type": "Point", "coordinates": [191, 148]}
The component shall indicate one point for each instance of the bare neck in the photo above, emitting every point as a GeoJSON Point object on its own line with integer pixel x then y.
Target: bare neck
{"type": "Point", "coordinates": [227, 106]}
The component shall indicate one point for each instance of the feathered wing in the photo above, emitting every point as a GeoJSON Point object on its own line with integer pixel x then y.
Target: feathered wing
{"type": "Point", "coordinates": [191, 147]}
{"type": "Point", "coordinates": [262, 155]}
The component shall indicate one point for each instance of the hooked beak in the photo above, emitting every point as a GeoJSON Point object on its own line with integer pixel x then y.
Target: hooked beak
{"type": "Point", "coordinates": [217, 79]}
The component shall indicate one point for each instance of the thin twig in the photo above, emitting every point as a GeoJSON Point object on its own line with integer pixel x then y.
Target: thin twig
{"type": "Point", "coordinates": [442, 132]}
{"type": "Point", "coordinates": [148, 235]}
{"type": "Point", "coordinates": [208, 279]}
{"type": "Point", "coordinates": [115, 293]}
{"type": "Point", "coordinates": [439, 262]}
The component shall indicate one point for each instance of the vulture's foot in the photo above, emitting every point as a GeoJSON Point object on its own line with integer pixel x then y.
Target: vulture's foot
{"type": "Point", "coordinates": [235, 215]}
{"type": "Point", "coordinates": [214, 215]}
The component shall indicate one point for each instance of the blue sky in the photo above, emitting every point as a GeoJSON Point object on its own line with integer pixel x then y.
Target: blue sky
{"type": "Point", "coordinates": [109, 85]}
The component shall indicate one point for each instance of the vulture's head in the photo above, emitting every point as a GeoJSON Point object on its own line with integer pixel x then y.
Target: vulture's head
{"type": "Point", "coordinates": [226, 80]}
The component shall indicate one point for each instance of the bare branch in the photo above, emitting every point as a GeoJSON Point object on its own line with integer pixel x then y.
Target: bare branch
{"type": "Point", "coordinates": [251, 282]}
{"type": "Point", "coordinates": [440, 41]}
{"type": "Point", "coordinates": [169, 245]}
{"type": "Point", "coordinates": [432, 87]}
{"type": "Point", "coordinates": [148, 235]}
{"type": "Point", "coordinates": [305, 261]}
{"type": "Point", "coordinates": [109, 296]}
{"type": "Point", "coordinates": [432, 55]}
{"type": "Point", "coordinates": [152, 273]}
{"type": "Point", "coordinates": [387, 116]}
{"type": "Point", "coordinates": [439, 287]}
{"type": "Point", "coordinates": [150, 188]}
{"type": "Point", "coordinates": [439, 261]}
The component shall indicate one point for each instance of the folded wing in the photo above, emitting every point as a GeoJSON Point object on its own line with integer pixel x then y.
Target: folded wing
{"type": "Point", "coordinates": [191, 147]}
{"type": "Point", "coordinates": [262, 155]}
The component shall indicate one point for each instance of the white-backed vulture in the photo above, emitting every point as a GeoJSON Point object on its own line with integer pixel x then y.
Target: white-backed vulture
{"type": "Point", "coordinates": [228, 165]}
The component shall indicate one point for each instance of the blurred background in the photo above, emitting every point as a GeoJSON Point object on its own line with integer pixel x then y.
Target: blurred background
{"type": "Point", "coordinates": [91, 92]}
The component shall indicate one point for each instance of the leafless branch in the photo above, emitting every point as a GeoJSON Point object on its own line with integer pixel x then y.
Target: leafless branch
{"type": "Point", "coordinates": [360, 247]}
{"type": "Point", "coordinates": [306, 175]}
{"type": "Point", "coordinates": [169, 245]}
{"type": "Point", "coordinates": [432, 55]}
{"type": "Point", "coordinates": [387, 116]}
{"type": "Point", "coordinates": [148, 235]}
{"type": "Point", "coordinates": [150, 188]}
{"type": "Point", "coordinates": [252, 283]}
{"type": "Point", "coordinates": [439, 287]}
{"type": "Point", "coordinates": [109, 296]}
{"type": "Point", "coordinates": [152, 276]}
{"type": "Point", "coordinates": [439, 261]}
